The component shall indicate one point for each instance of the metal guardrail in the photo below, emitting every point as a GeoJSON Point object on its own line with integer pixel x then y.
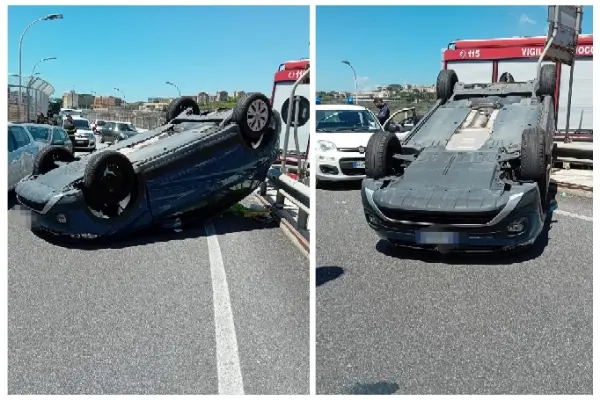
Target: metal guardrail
{"type": "Point", "coordinates": [296, 191]}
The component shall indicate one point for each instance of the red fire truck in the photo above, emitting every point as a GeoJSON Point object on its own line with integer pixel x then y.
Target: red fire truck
{"type": "Point", "coordinates": [285, 77]}
{"type": "Point", "coordinates": [484, 61]}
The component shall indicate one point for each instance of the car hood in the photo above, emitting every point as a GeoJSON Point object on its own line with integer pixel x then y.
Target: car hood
{"type": "Point", "coordinates": [345, 139]}
{"type": "Point", "coordinates": [84, 133]}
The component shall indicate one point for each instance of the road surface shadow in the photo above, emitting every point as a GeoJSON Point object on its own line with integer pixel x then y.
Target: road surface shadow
{"type": "Point", "coordinates": [499, 258]}
{"type": "Point", "coordinates": [381, 387]}
{"type": "Point", "coordinates": [225, 223]}
{"type": "Point", "coordinates": [327, 274]}
{"type": "Point", "coordinates": [340, 186]}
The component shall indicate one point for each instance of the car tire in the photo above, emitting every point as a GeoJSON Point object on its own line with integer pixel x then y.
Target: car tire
{"type": "Point", "coordinates": [379, 161]}
{"type": "Point", "coordinates": [444, 86]}
{"type": "Point", "coordinates": [547, 80]}
{"type": "Point", "coordinates": [181, 104]}
{"type": "Point", "coordinates": [46, 159]}
{"type": "Point", "coordinates": [253, 114]}
{"type": "Point", "coordinates": [101, 189]}
{"type": "Point", "coordinates": [534, 163]}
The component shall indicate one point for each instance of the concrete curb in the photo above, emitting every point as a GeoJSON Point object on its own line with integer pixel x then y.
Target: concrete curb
{"type": "Point", "coordinates": [574, 189]}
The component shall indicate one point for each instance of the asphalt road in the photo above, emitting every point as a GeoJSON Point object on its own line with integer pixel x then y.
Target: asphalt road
{"type": "Point", "coordinates": [406, 322]}
{"type": "Point", "coordinates": [170, 313]}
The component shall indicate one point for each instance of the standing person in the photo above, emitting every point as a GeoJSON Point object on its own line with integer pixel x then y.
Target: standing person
{"type": "Point", "coordinates": [70, 128]}
{"type": "Point", "coordinates": [384, 110]}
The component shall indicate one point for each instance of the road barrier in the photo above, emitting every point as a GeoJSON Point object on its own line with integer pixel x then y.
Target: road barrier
{"type": "Point", "coordinates": [296, 191]}
{"type": "Point", "coordinates": [287, 188]}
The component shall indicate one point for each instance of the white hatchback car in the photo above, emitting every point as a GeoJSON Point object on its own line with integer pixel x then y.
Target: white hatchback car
{"type": "Point", "coordinates": [342, 135]}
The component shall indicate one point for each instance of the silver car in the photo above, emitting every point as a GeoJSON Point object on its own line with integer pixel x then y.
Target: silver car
{"type": "Point", "coordinates": [22, 150]}
{"type": "Point", "coordinates": [49, 134]}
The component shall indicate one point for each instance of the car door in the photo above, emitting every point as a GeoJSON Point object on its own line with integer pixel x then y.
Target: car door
{"type": "Point", "coordinates": [13, 161]}
{"type": "Point", "coordinates": [27, 150]}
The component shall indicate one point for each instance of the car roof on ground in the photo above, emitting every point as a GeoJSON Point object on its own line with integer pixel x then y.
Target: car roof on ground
{"type": "Point", "coordinates": [339, 107]}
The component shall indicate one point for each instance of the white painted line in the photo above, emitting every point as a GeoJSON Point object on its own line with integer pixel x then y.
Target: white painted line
{"type": "Point", "coordinates": [229, 371]}
{"type": "Point", "coordinates": [568, 214]}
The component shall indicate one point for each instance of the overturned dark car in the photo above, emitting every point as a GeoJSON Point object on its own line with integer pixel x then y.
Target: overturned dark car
{"type": "Point", "coordinates": [199, 162]}
{"type": "Point", "coordinates": [474, 172]}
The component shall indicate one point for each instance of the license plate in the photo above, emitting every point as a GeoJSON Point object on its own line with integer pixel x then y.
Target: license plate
{"type": "Point", "coordinates": [79, 142]}
{"type": "Point", "coordinates": [358, 164]}
{"type": "Point", "coordinates": [427, 237]}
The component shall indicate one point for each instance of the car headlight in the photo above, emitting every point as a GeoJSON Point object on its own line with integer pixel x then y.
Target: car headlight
{"type": "Point", "coordinates": [324, 145]}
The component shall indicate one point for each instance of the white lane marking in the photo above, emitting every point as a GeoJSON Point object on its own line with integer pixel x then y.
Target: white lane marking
{"type": "Point", "coordinates": [578, 216]}
{"type": "Point", "coordinates": [229, 371]}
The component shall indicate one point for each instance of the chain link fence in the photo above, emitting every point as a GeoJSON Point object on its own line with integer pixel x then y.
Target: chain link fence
{"type": "Point", "coordinates": [35, 97]}
{"type": "Point", "coordinates": [141, 119]}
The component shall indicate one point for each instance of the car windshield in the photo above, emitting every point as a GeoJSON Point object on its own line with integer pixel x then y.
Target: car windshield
{"type": "Point", "coordinates": [81, 123]}
{"type": "Point", "coordinates": [39, 133]}
{"type": "Point", "coordinates": [347, 121]}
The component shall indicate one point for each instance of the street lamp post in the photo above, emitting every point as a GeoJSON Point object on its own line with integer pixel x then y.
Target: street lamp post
{"type": "Point", "coordinates": [175, 86]}
{"type": "Point", "coordinates": [50, 17]}
{"type": "Point", "coordinates": [122, 94]}
{"type": "Point", "coordinates": [355, 81]}
{"type": "Point", "coordinates": [95, 95]}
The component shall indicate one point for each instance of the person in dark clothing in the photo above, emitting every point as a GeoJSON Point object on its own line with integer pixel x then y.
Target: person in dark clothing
{"type": "Point", "coordinates": [70, 128]}
{"type": "Point", "coordinates": [384, 110]}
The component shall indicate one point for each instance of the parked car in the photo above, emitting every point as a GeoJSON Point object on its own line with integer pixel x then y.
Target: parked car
{"type": "Point", "coordinates": [22, 152]}
{"type": "Point", "coordinates": [342, 135]}
{"type": "Point", "coordinates": [199, 164]}
{"type": "Point", "coordinates": [97, 126]}
{"type": "Point", "coordinates": [85, 141]}
{"type": "Point", "coordinates": [49, 134]}
{"type": "Point", "coordinates": [115, 131]}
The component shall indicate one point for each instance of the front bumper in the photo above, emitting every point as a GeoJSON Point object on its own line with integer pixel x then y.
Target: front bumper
{"type": "Point", "coordinates": [84, 144]}
{"type": "Point", "coordinates": [523, 205]}
{"type": "Point", "coordinates": [340, 166]}
{"type": "Point", "coordinates": [65, 214]}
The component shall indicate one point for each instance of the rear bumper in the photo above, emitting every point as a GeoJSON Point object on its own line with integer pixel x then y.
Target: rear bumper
{"type": "Point", "coordinates": [523, 205]}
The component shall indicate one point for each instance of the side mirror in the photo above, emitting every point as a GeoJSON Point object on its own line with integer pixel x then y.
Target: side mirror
{"type": "Point", "coordinates": [392, 128]}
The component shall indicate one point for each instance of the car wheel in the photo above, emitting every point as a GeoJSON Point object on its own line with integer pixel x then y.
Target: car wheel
{"type": "Point", "coordinates": [444, 86]}
{"type": "Point", "coordinates": [379, 155]}
{"type": "Point", "coordinates": [180, 105]}
{"type": "Point", "coordinates": [253, 114]}
{"type": "Point", "coordinates": [46, 159]}
{"type": "Point", "coordinates": [534, 163]}
{"type": "Point", "coordinates": [547, 80]}
{"type": "Point", "coordinates": [108, 179]}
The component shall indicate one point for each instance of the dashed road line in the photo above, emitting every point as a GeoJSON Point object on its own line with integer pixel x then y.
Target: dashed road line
{"type": "Point", "coordinates": [573, 215]}
{"type": "Point", "coordinates": [229, 371]}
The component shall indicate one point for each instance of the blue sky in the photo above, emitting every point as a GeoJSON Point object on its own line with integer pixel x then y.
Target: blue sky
{"type": "Point", "coordinates": [138, 49]}
{"type": "Point", "coordinates": [397, 44]}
